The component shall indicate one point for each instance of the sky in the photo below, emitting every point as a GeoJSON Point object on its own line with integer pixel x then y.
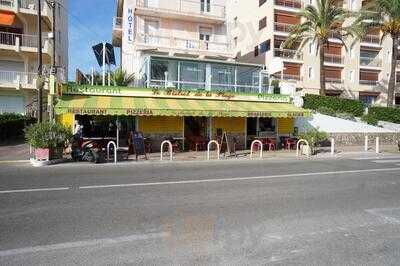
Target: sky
{"type": "Point", "coordinates": [90, 23]}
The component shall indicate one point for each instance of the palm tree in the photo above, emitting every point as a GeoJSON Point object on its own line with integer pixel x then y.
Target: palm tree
{"type": "Point", "coordinates": [319, 24]}
{"type": "Point", "coordinates": [121, 78]}
{"type": "Point", "coordinates": [384, 15]}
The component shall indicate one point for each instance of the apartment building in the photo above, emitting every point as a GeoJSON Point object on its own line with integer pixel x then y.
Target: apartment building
{"type": "Point", "coordinates": [181, 44]}
{"type": "Point", "coordinates": [259, 27]}
{"type": "Point", "coordinates": [18, 51]}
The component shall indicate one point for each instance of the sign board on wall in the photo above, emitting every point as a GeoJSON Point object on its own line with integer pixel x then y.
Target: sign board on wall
{"type": "Point", "coordinates": [130, 22]}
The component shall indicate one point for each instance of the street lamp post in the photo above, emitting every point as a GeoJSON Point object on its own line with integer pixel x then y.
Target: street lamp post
{"type": "Point", "coordinates": [39, 84]}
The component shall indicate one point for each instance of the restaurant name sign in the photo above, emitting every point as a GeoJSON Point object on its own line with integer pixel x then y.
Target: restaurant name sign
{"type": "Point", "coordinates": [173, 93]}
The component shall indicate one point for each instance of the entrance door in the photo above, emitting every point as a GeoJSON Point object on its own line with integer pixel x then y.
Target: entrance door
{"type": "Point", "coordinates": [205, 6]}
{"type": "Point", "coordinates": [151, 29]}
{"type": "Point", "coordinates": [196, 133]}
{"type": "Point", "coordinates": [205, 37]}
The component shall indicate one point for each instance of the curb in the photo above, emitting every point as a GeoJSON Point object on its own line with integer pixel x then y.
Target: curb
{"type": "Point", "coordinates": [36, 163]}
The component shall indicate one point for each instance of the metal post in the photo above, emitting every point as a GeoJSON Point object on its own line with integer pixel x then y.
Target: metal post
{"type": "Point", "coordinates": [332, 146]}
{"type": "Point", "coordinates": [104, 64]}
{"type": "Point", "coordinates": [377, 145]}
{"type": "Point", "coordinates": [92, 74]}
{"type": "Point", "coordinates": [366, 144]}
{"type": "Point", "coordinates": [40, 62]}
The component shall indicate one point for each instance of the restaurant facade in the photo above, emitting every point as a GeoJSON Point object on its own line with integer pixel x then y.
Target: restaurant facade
{"type": "Point", "coordinates": [192, 116]}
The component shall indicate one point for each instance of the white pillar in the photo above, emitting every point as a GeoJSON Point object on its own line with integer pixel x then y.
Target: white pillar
{"type": "Point", "coordinates": [332, 146]}
{"type": "Point", "coordinates": [366, 144]}
{"type": "Point", "coordinates": [377, 145]}
{"type": "Point", "coordinates": [104, 64]}
{"type": "Point", "coordinates": [92, 76]}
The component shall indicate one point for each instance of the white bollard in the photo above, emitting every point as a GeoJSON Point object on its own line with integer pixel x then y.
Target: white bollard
{"type": "Point", "coordinates": [166, 142]}
{"type": "Point", "coordinates": [332, 146]}
{"type": "Point", "coordinates": [252, 147]}
{"type": "Point", "coordinates": [377, 145]}
{"type": "Point", "coordinates": [366, 144]}
{"type": "Point", "coordinates": [209, 148]}
{"type": "Point", "coordinates": [115, 151]}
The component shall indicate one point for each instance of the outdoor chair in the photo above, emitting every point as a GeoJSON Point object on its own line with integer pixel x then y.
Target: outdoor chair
{"type": "Point", "coordinates": [271, 144]}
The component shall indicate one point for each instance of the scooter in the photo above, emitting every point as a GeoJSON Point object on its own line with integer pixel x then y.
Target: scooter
{"type": "Point", "coordinates": [88, 151]}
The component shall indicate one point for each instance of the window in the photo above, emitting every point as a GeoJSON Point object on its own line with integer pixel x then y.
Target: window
{"type": "Point", "coordinates": [266, 124]}
{"type": "Point", "coordinates": [310, 2]}
{"type": "Point", "coordinates": [205, 6]}
{"type": "Point", "coordinates": [310, 73]}
{"type": "Point", "coordinates": [265, 46]}
{"type": "Point", "coordinates": [235, 41]}
{"type": "Point", "coordinates": [352, 5]}
{"type": "Point", "coordinates": [256, 51]}
{"type": "Point", "coordinates": [311, 48]}
{"type": "Point", "coordinates": [262, 23]}
{"type": "Point", "coordinates": [158, 69]}
{"type": "Point", "coordinates": [367, 99]}
{"type": "Point", "coordinates": [261, 2]}
{"type": "Point", "coordinates": [235, 22]}
{"type": "Point", "coordinates": [351, 76]}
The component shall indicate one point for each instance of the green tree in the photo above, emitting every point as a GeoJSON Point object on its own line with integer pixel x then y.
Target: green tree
{"type": "Point", "coordinates": [320, 23]}
{"type": "Point", "coordinates": [121, 78]}
{"type": "Point", "coordinates": [384, 15]}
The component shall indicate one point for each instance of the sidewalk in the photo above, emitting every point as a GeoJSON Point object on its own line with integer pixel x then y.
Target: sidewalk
{"type": "Point", "coordinates": [14, 152]}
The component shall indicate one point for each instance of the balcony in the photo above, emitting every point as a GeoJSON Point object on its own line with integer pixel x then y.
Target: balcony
{"type": "Point", "coordinates": [289, 4]}
{"type": "Point", "coordinates": [117, 23]}
{"type": "Point", "coordinates": [12, 79]}
{"type": "Point", "coordinates": [290, 77]}
{"type": "Point", "coordinates": [189, 10]}
{"type": "Point", "coordinates": [283, 27]}
{"type": "Point", "coordinates": [334, 59]}
{"type": "Point", "coordinates": [334, 80]}
{"type": "Point", "coordinates": [369, 39]}
{"type": "Point", "coordinates": [177, 45]}
{"type": "Point", "coordinates": [28, 7]}
{"type": "Point", "coordinates": [369, 82]}
{"type": "Point", "coordinates": [370, 62]}
{"type": "Point", "coordinates": [288, 54]}
{"type": "Point", "coordinates": [22, 42]}
{"type": "Point", "coordinates": [117, 31]}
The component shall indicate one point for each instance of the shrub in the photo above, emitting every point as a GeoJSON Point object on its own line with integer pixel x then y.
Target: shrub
{"type": "Point", "coordinates": [386, 114]}
{"type": "Point", "coordinates": [314, 137]}
{"type": "Point", "coordinates": [326, 111]}
{"type": "Point", "coordinates": [314, 102]}
{"type": "Point", "coordinates": [370, 119]}
{"type": "Point", "coordinates": [48, 135]}
{"type": "Point", "coordinates": [346, 116]}
{"type": "Point", "coordinates": [12, 125]}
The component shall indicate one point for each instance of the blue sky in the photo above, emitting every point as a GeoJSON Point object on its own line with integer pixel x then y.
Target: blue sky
{"type": "Point", "coordinates": [90, 22]}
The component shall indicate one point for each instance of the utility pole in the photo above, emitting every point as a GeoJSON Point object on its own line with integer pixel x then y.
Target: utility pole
{"type": "Point", "coordinates": [53, 63]}
{"type": "Point", "coordinates": [39, 84]}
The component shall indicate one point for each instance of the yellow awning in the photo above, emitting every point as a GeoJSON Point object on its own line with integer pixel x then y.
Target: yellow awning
{"type": "Point", "coordinates": [116, 105]}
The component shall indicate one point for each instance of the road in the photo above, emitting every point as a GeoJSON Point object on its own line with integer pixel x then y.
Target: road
{"type": "Point", "coordinates": [274, 212]}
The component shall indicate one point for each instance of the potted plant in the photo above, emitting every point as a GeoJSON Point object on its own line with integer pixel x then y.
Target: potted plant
{"type": "Point", "coordinates": [48, 139]}
{"type": "Point", "coordinates": [313, 137]}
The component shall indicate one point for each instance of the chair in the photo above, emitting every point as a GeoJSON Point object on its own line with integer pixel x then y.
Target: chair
{"type": "Point", "coordinates": [290, 144]}
{"type": "Point", "coordinates": [271, 144]}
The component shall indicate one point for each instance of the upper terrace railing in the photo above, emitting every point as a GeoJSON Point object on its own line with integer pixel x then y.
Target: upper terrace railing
{"type": "Point", "coordinates": [333, 59]}
{"type": "Point", "coordinates": [288, 54]}
{"type": "Point", "coordinates": [284, 27]}
{"type": "Point", "coordinates": [375, 39]}
{"type": "Point", "coordinates": [17, 78]}
{"type": "Point", "coordinates": [182, 43]}
{"type": "Point", "coordinates": [185, 6]}
{"type": "Point", "coordinates": [370, 61]}
{"type": "Point", "coordinates": [288, 3]}
{"type": "Point", "coordinates": [25, 40]}
{"type": "Point", "coordinates": [7, 3]}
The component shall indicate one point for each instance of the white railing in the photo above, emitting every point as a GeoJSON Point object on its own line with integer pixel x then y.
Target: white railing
{"type": "Point", "coordinates": [288, 3]}
{"type": "Point", "coordinates": [369, 82]}
{"type": "Point", "coordinates": [13, 77]}
{"type": "Point", "coordinates": [185, 6]}
{"type": "Point", "coordinates": [284, 27]}
{"type": "Point", "coordinates": [288, 54]}
{"type": "Point", "coordinates": [7, 3]}
{"type": "Point", "coordinates": [334, 80]}
{"type": "Point", "coordinates": [370, 61]}
{"type": "Point", "coordinates": [117, 23]}
{"type": "Point", "coordinates": [375, 39]}
{"type": "Point", "coordinates": [25, 40]}
{"type": "Point", "coordinates": [182, 43]}
{"type": "Point", "coordinates": [333, 58]}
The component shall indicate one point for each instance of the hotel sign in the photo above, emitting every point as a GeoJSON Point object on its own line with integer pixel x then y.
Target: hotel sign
{"type": "Point", "coordinates": [130, 24]}
{"type": "Point", "coordinates": [173, 93]}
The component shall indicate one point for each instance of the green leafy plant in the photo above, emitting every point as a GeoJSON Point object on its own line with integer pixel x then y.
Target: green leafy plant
{"type": "Point", "coordinates": [48, 135]}
{"type": "Point", "coordinates": [314, 138]}
{"type": "Point", "coordinates": [121, 78]}
{"type": "Point", "coordinates": [315, 102]}
{"type": "Point", "coordinates": [326, 111]}
{"type": "Point", "coordinates": [370, 119]}
{"type": "Point", "coordinates": [387, 114]}
{"type": "Point", "coordinates": [346, 116]}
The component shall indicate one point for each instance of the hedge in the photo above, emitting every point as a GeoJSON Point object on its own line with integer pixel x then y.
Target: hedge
{"type": "Point", "coordinates": [315, 102]}
{"type": "Point", "coordinates": [385, 114]}
{"type": "Point", "coordinates": [12, 125]}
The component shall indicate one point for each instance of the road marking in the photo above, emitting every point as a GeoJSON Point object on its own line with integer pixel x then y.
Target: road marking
{"type": "Point", "coordinates": [386, 161]}
{"type": "Point", "coordinates": [80, 244]}
{"type": "Point", "coordinates": [237, 178]}
{"type": "Point", "coordinates": [33, 190]}
{"type": "Point", "coordinates": [375, 158]}
{"type": "Point", "coordinates": [14, 161]}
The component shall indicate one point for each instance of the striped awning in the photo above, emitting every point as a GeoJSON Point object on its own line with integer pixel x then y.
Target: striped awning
{"type": "Point", "coordinates": [137, 106]}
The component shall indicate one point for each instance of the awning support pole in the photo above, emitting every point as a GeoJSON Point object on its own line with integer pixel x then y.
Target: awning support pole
{"type": "Point", "coordinates": [104, 64]}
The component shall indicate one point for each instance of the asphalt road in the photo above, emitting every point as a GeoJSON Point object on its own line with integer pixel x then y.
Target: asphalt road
{"type": "Point", "coordinates": [326, 212]}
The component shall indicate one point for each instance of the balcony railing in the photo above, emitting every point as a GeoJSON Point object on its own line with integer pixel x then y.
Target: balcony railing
{"type": "Point", "coordinates": [185, 6]}
{"type": "Point", "coordinates": [288, 3]}
{"type": "Point", "coordinates": [369, 82]}
{"type": "Point", "coordinates": [288, 54]}
{"type": "Point", "coordinates": [17, 78]}
{"type": "Point", "coordinates": [25, 40]}
{"type": "Point", "coordinates": [370, 61]}
{"type": "Point", "coordinates": [284, 27]}
{"type": "Point", "coordinates": [375, 39]}
{"type": "Point", "coordinates": [7, 3]}
{"type": "Point", "coordinates": [289, 77]}
{"type": "Point", "coordinates": [334, 80]}
{"type": "Point", "coordinates": [117, 23]}
{"type": "Point", "coordinates": [333, 59]}
{"type": "Point", "coordinates": [182, 43]}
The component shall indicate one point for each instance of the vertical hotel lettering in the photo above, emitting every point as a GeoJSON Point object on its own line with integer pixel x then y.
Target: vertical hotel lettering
{"type": "Point", "coordinates": [130, 25]}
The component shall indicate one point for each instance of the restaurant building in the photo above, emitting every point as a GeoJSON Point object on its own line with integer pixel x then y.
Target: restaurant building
{"type": "Point", "coordinates": [193, 116]}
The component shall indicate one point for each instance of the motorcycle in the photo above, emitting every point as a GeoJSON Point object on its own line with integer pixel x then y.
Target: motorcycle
{"type": "Point", "coordinates": [86, 151]}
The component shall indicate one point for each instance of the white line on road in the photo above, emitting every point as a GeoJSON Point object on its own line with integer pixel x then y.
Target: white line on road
{"type": "Point", "coordinates": [386, 161]}
{"type": "Point", "coordinates": [80, 244]}
{"type": "Point", "coordinates": [238, 178]}
{"type": "Point", "coordinates": [33, 190]}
